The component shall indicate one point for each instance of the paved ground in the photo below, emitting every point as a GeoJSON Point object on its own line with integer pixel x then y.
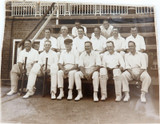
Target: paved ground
{"type": "Point", "coordinates": [42, 110]}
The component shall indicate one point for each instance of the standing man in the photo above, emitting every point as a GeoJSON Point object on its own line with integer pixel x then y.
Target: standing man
{"type": "Point", "coordinates": [136, 69]}
{"type": "Point", "coordinates": [78, 42]}
{"type": "Point", "coordinates": [89, 64]}
{"type": "Point", "coordinates": [75, 29]}
{"type": "Point", "coordinates": [139, 41]}
{"type": "Point", "coordinates": [68, 65]}
{"type": "Point", "coordinates": [48, 37]}
{"type": "Point", "coordinates": [119, 42]}
{"type": "Point", "coordinates": [98, 41]}
{"type": "Point", "coordinates": [60, 40]}
{"type": "Point", "coordinates": [18, 69]}
{"type": "Point", "coordinates": [52, 69]}
{"type": "Point", "coordinates": [106, 29]}
{"type": "Point", "coordinates": [113, 64]}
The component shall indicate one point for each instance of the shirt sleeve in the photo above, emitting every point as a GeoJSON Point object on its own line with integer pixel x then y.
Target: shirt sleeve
{"type": "Point", "coordinates": [54, 43]}
{"type": "Point", "coordinates": [81, 61]}
{"type": "Point", "coordinates": [127, 62]}
{"type": "Point", "coordinates": [41, 45]}
{"type": "Point", "coordinates": [126, 43]}
{"type": "Point", "coordinates": [103, 61]}
{"type": "Point", "coordinates": [143, 62]}
{"type": "Point", "coordinates": [142, 44]}
{"type": "Point", "coordinates": [74, 31]}
{"type": "Point", "coordinates": [123, 43]}
{"type": "Point", "coordinates": [76, 57]}
{"type": "Point", "coordinates": [61, 59]}
{"type": "Point", "coordinates": [20, 58]}
{"type": "Point", "coordinates": [56, 58]}
{"type": "Point", "coordinates": [98, 59]}
{"type": "Point", "coordinates": [121, 61]}
{"type": "Point", "coordinates": [36, 56]}
{"type": "Point", "coordinates": [40, 59]}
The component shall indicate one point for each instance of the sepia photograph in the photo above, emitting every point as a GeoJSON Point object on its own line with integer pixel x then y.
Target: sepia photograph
{"type": "Point", "coordinates": [79, 62]}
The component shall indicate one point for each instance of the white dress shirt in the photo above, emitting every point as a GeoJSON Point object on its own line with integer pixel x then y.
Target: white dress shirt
{"type": "Point", "coordinates": [119, 43]}
{"type": "Point", "coordinates": [53, 42]}
{"type": "Point", "coordinates": [112, 60]}
{"type": "Point", "coordinates": [139, 40]}
{"type": "Point", "coordinates": [98, 44]}
{"type": "Point", "coordinates": [135, 61]}
{"type": "Point", "coordinates": [60, 41]}
{"type": "Point", "coordinates": [88, 61]}
{"type": "Point", "coordinates": [32, 56]}
{"type": "Point", "coordinates": [75, 31]}
{"type": "Point", "coordinates": [78, 43]}
{"type": "Point", "coordinates": [71, 57]}
{"type": "Point", "coordinates": [106, 32]}
{"type": "Point", "coordinates": [51, 55]}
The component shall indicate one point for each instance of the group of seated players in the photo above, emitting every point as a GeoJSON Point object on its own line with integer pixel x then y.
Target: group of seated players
{"type": "Point", "coordinates": [76, 57]}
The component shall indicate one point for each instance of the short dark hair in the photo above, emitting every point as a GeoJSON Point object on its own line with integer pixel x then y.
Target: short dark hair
{"type": "Point", "coordinates": [132, 42]}
{"type": "Point", "coordinates": [81, 28]}
{"type": "Point", "coordinates": [67, 41]}
{"type": "Point", "coordinates": [97, 27]}
{"type": "Point", "coordinates": [105, 20]}
{"type": "Point", "coordinates": [77, 21]}
{"type": "Point", "coordinates": [134, 27]}
{"type": "Point", "coordinates": [28, 40]}
{"type": "Point", "coordinates": [48, 29]}
{"type": "Point", "coordinates": [110, 42]}
{"type": "Point", "coordinates": [88, 42]}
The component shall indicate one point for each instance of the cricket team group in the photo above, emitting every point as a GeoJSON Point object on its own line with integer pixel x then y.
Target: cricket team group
{"type": "Point", "coordinates": [106, 54]}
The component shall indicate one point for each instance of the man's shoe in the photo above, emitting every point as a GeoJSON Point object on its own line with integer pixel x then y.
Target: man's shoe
{"type": "Point", "coordinates": [103, 98]}
{"type": "Point", "coordinates": [70, 96]}
{"type": "Point", "coordinates": [79, 96]}
{"type": "Point", "coordinates": [126, 98]}
{"type": "Point", "coordinates": [28, 94]}
{"type": "Point", "coordinates": [53, 96]}
{"type": "Point", "coordinates": [95, 97]}
{"type": "Point", "coordinates": [61, 95]}
{"type": "Point", "coordinates": [143, 98]}
{"type": "Point", "coordinates": [118, 98]}
{"type": "Point", "coordinates": [11, 93]}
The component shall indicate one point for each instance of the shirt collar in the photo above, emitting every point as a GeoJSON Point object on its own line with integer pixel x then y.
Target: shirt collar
{"type": "Point", "coordinates": [132, 54]}
{"type": "Point", "coordinates": [90, 53]}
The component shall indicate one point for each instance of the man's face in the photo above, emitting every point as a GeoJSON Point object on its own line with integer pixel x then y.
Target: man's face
{"type": "Point", "coordinates": [110, 47]}
{"type": "Point", "coordinates": [47, 46]}
{"type": "Point", "coordinates": [64, 30]}
{"type": "Point", "coordinates": [77, 24]}
{"type": "Point", "coordinates": [115, 32]}
{"type": "Point", "coordinates": [27, 45]}
{"type": "Point", "coordinates": [68, 46]}
{"type": "Point", "coordinates": [88, 47]}
{"type": "Point", "coordinates": [47, 33]}
{"type": "Point", "coordinates": [131, 47]}
{"type": "Point", "coordinates": [97, 32]}
{"type": "Point", "coordinates": [80, 32]}
{"type": "Point", "coordinates": [134, 32]}
{"type": "Point", "coordinates": [106, 24]}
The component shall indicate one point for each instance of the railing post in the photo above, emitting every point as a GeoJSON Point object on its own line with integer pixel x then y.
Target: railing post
{"type": "Point", "coordinates": [57, 15]}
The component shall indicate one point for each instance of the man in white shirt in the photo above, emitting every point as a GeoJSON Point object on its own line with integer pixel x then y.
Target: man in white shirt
{"type": "Point", "coordinates": [136, 69]}
{"type": "Point", "coordinates": [78, 42]}
{"type": "Point", "coordinates": [98, 41]}
{"type": "Point", "coordinates": [52, 69]}
{"type": "Point", "coordinates": [60, 40]}
{"type": "Point", "coordinates": [75, 29]}
{"type": "Point", "coordinates": [112, 64]}
{"type": "Point", "coordinates": [89, 64]}
{"type": "Point", "coordinates": [106, 29]}
{"type": "Point", "coordinates": [18, 69]}
{"type": "Point", "coordinates": [48, 37]}
{"type": "Point", "coordinates": [68, 65]}
{"type": "Point", "coordinates": [139, 41]}
{"type": "Point", "coordinates": [119, 42]}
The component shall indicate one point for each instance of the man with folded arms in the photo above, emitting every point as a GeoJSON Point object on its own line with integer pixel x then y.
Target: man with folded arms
{"type": "Point", "coordinates": [89, 64]}
{"type": "Point", "coordinates": [68, 65]}
{"type": "Point", "coordinates": [113, 64]}
{"type": "Point", "coordinates": [136, 69]}
{"type": "Point", "coordinates": [18, 69]}
{"type": "Point", "coordinates": [52, 69]}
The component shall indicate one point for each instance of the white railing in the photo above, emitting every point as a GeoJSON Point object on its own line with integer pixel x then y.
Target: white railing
{"type": "Point", "coordinates": [39, 8]}
{"type": "Point", "coordinates": [144, 10]}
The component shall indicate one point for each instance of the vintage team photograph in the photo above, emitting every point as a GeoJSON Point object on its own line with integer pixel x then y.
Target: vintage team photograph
{"type": "Point", "coordinates": [79, 63]}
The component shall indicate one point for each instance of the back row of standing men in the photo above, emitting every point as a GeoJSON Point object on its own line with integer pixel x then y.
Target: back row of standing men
{"type": "Point", "coordinates": [82, 57]}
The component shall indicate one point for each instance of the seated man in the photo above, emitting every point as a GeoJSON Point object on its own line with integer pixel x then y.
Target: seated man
{"type": "Point", "coordinates": [68, 65]}
{"type": "Point", "coordinates": [18, 69]}
{"type": "Point", "coordinates": [78, 42]}
{"type": "Point", "coordinates": [75, 29]}
{"type": "Point", "coordinates": [98, 41]}
{"type": "Point", "coordinates": [52, 69]}
{"type": "Point", "coordinates": [119, 42]}
{"type": "Point", "coordinates": [136, 69]}
{"type": "Point", "coordinates": [48, 37]}
{"type": "Point", "coordinates": [89, 64]}
{"type": "Point", "coordinates": [113, 64]}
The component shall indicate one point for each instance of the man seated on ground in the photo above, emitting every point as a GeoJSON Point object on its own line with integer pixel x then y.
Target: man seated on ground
{"type": "Point", "coordinates": [64, 35]}
{"type": "Point", "coordinates": [75, 29]}
{"type": "Point", "coordinates": [98, 41]}
{"type": "Point", "coordinates": [68, 65]}
{"type": "Point", "coordinates": [78, 42]}
{"type": "Point", "coordinates": [136, 69]}
{"type": "Point", "coordinates": [48, 37]}
{"type": "Point", "coordinates": [112, 64]}
{"type": "Point", "coordinates": [139, 41]}
{"type": "Point", "coordinates": [18, 69]}
{"type": "Point", "coordinates": [52, 69]}
{"type": "Point", "coordinates": [89, 64]}
{"type": "Point", "coordinates": [119, 42]}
